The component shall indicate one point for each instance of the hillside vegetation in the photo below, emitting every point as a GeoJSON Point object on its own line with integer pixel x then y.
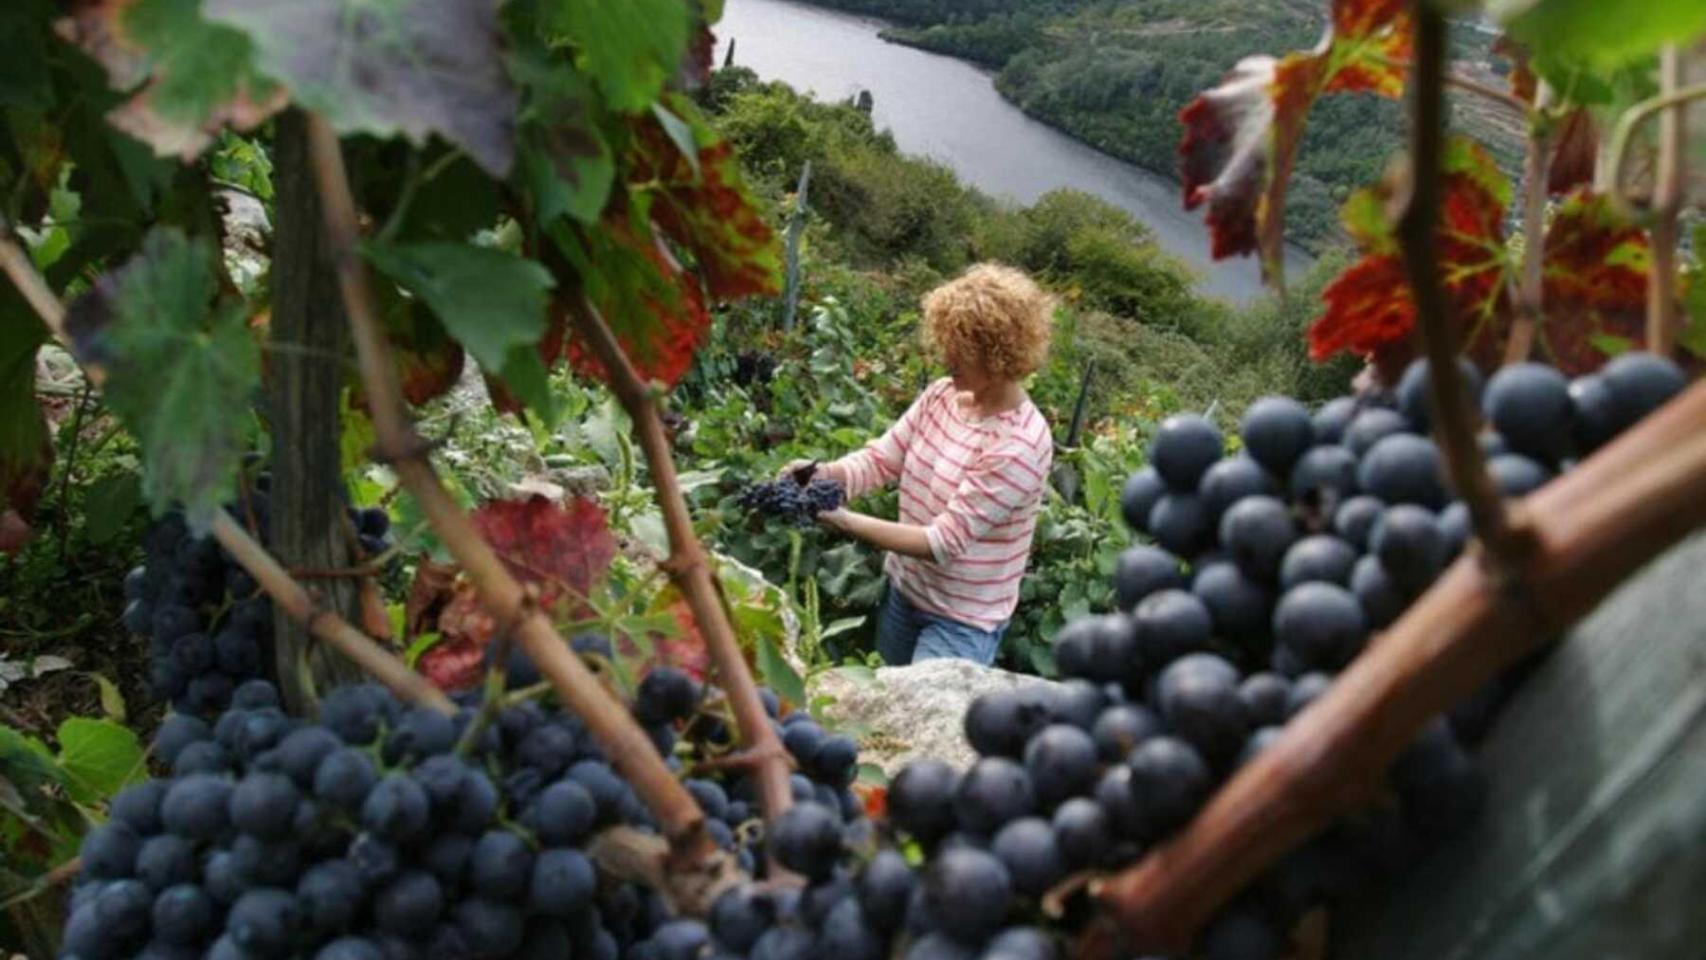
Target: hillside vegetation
{"type": "Point", "coordinates": [1116, 74]}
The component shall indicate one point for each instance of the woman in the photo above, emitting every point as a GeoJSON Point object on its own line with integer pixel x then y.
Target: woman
{"type": "Point", "coordinates": [971, 456]}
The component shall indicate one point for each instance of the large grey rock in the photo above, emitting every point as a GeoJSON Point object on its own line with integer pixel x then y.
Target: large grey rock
{"type": "Point", "coordinates": [901, 713]}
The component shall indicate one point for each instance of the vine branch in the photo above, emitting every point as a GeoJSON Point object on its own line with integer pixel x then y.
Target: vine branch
{"type": "Point", "coordinates": [1669, 189]}
{"type": "Point", "coordinates": [616, 732]}
{"type": "Point", "coordinates": [1623, 137]}
{"type": "Point", "coordinates": [1417, 229]}
{"type": "Point", "coordinates": [687, 564]}
{"type": "Point", "coordinates": [1530, 291]}
{"type": "Point", "coordinates": [268, 573]}
{"type": "Point", "coordinates": [1639, 495]}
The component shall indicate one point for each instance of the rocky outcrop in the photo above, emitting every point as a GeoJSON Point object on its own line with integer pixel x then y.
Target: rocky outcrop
{"type": "Point", "coordinates": [900, 713]}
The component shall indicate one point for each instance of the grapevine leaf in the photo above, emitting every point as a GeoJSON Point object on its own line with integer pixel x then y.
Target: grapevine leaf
{"type": "Point", "coordinates": [631, 48]}
{"type": "Point", "coordinates": [526, 380]}
{"type": "Point", "coordinates": [188, 77]}
{"type": "Point", "coordinates": [775, 672]}
{"type": "Point", "coordinates": [26, 762]}
{"type": "Point", "coordinates": [1575, 153]}
{"type": "Point", "coordinates": [1369, 308]}
{"type": "Point", "coordinates": [701, 201]}
{"type": "Point", "coordinates": [654, 308]}
{"type": "Point", "coordinates": [429, 361]}
{"type": "Point", "coordinates": [564, 157]}
{"type": "Point", "coordinates": [181, 368]}
{"type": "Point", "coordinates": [1597, 34]}
{"type": "Point", "coordinates": [109, 504]}
{"type": "Point", "coordinates": [98, 757]}
{"type": "Point", "coordinates": [408, 67]}
{"type": "Point", "coordinates": [24, 78]}
{"type": "Point", "coordinates": [1241, 137]}
{"type": "Point", "coordinates": [457, 660]}
{"type": "Point", "coordinates": [1596, 267]}
{"type": "Point", "coordinates": [26, 447]}
{"type": "Point", "coordinates": [491, 301]}
{"type": "Point", "coordinates": [563, 549]}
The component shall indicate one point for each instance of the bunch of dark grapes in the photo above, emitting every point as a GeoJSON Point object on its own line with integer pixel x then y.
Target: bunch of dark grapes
{"type": "Point", "coordinates": [208, 624]}
{"type": "Point", "coordinates": [389, 831]}
{"type": "Point", "coordinates": [793, 502]}
{"type": "Point", "coordinates": [754, 367]}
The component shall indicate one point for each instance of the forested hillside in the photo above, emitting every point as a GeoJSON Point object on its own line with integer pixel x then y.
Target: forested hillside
{"type": "Point", "coordinates": [1116, 74]}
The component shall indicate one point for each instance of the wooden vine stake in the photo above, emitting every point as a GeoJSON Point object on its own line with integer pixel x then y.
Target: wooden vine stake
{"type": "Point", "coordinates": [272, 577]}
{"type": "Point", "coordinates": [698, 869]}
{"type": "Point", "coordinates": [1574, 541]}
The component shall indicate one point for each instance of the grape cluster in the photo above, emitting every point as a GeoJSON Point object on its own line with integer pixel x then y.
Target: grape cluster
{"type": "Point", "coordinates": [794, 502]}
{"type": "Point", "coordinates": [754, 367]}
{"type": "Point", "coordinates": [1326, 526]}
{"type": "Point", "coordinates": [388, 831]}
{"type": "Point", "coordinates": [209, 626]}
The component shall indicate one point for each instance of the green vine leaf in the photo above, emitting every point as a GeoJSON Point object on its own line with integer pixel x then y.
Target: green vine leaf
{"type": "Point", "coordinates": [632, 47]}
{"type": "Point", "coordinates": [188, 77]}
{"type": "Point", "coordinates": [402, 67]}
{"type": "Point", "coordinates": [565, 159]}
{"type": "Point", "coordinates": [1595, 34]}
{"type": "Point", "coordinates": [24, 78]}
{"type": "Point", "coordinates": [182, 367]}
{"type": "Point", "coordinates": [98, 757]}
{"type": "Point", "coordinates": [491, 301]}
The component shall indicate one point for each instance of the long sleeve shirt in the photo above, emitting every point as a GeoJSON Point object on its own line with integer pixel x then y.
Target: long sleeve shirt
{"type": "Point", "coordinates": [975, 486]}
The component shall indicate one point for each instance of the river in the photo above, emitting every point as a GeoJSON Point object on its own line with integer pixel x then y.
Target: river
{"type": "Point", "coordinates": [949, 110]}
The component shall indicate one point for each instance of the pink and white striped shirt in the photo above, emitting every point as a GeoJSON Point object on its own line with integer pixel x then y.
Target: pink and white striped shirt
{"type": "Point", "coordinates": [975, 486]}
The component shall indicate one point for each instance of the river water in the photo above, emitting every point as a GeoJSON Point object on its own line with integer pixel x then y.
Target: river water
{"type": "Point", "coordinates": [949, 110]}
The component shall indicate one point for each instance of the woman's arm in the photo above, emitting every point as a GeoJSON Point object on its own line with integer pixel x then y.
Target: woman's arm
{"type": "Point", "coordinates": [906, 539]}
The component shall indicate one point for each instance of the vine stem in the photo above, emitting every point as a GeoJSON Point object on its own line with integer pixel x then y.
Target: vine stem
{"type": "Point", "coordinates": [1623, 137]}
{"type": "Point", "coordinates": [254, 558]}
{"type": "Point", "coordinates": [687, 565]}
{"type": "Point", "coordinates": [615, 730]}
{"type": "Point", "coordinates": [1599, 523]}
{"type": "Point", "coordinates": [1669, 184]}
{"type": "Point", "coordinates": [1530, 291]}
{"type": "Point", "coordinates": [1417, 230]}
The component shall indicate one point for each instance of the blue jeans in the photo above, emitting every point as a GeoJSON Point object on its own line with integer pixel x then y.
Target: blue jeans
{"type": "Point", "coordinates": [906, 634]}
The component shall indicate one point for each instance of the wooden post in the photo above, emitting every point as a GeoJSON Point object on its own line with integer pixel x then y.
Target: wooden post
{"type": "Point", "coordinates": [796, 228]}
{"type": "Point", "coordinates": [305, 378]}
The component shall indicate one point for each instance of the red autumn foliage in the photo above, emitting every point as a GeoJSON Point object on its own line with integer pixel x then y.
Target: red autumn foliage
{"type": "Point", "coordinates": [1595, 281]}
{"type": "Point", "coordinates": [1595, 270]}
{"type": "Point", "coordinates": [561, 551]}
{"type": "Point", "coordinates": [708, 211]}
{"type": "Point", "coordinates": [658, 314]}
{"type": "Point", "coordinates": [1241, 137]}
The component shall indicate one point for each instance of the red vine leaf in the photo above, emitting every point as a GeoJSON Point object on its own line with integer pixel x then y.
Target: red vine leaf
{"type": "Point", "coordinates": [1575, 153]}
{"type": "Point", "coordinates": [701, 201]}
{"type": "Point", "coordinates": [429, 592]}
{"type": "Point", "coordinates": [1369, 308]}
{"type": "Point", "coordinates": [188, 77]}
{"type": "Point", "coordinates": [654, 308]}
{"type": "Point", "coordinates": [1596, 269]}
{"type": "Point", "coordinates": [1241, 137]}
{"type": "Point", "coordinates": [563, 550]}
{"type": "Point", "coordinates": [457, 661]}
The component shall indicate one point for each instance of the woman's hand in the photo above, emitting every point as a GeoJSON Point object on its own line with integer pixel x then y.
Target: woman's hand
{"type": "Point", "coordinates": [834, 519]}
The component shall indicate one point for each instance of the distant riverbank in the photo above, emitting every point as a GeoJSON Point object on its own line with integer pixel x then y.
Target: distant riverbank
{"type": "Point", "coordinates": [949, 110]}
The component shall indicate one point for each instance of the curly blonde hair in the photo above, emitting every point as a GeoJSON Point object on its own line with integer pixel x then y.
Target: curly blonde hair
{"type": "Point", "coordinates": [993, 315]}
